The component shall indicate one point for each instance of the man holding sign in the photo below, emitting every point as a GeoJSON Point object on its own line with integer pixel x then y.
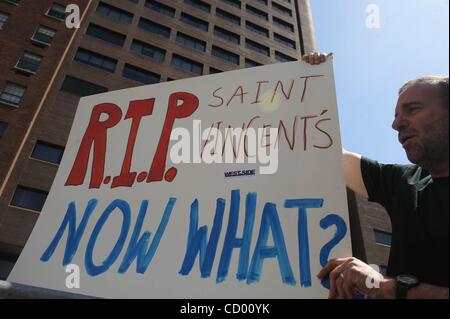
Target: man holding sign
{"type": "Point", "coordinates": [415, 196]}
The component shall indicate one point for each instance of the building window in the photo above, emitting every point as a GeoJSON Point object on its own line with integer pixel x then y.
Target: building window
{"type": "Point", "coordinates": [234, 3]}
{"type": "Point", "coordinates": [161, 8]}
{"type": "Point", "coordinates": [283, 24]}
{"type": "Point", "coordinates": [115, 13]}
{"type": "Point", "coordinates": [154, 27]}
{"type": "Point", "coordinates": [105, 35]}
{"type": "Point", "coordinates": [257, 29]}
{"type": "Point", "coordinates": [231, 18]}
{"type": "Point", "coordinates": [264, 2]}
{"type": "Point", "coordinates": [47, 152]}
{"type": "Point", "coordinates": [214, 70]}
{"type": "Point", "coordinates": [195, 22]}
{"type": "Point", "coordinates": [251, 64]}
{"type": "Point", "coordinates": [57, 11]}
{"type": "Point", "coordinates": [257, 13]}
{"type": "Point", "coordinates": [15, 2]}
{"type": "Point", "coordinates": [7, 263]}
{"type": "Point", "coordinates": [3, 19]}
{"type": "Point", "coordinates": [252, 45]}
{"type": "Point", "coordinates": [281, 9]}
{"type": "Point", "coordinates": [280, 57]}
{"type": "Point", "coordinates": [148, 50]}
{"type": "Point", "coordinates": [3, 126]}
{"type": "Point", "coordinates": [284, 41]}
{"type": "Point", "coordinates": [29, 198]}
{"type": "Point", "coordinates": [383, 238]}
{"type": "Point", "coordinates": [187, 65]}
{"type": "Point", "coordinates": [96, 60]}
{"type": "Point", "coordinates": [80, 87]}
{"type": "Point", "coordinates": [227, 35]}
{"type": "Point", "coordinates": [44, 35]}
{"type": "Point", "coordinates": [199, 5]}
{"type": "Point", "coordinates": [140, 75]}
{"type": "Point", "coordinates": [225, 55]}
{"type": "Point", "coordinates": [190, 42]}
{"type": "Point", "coordinates": [12, 94]}
{"type": "Point", "coordinates": [28, 62]}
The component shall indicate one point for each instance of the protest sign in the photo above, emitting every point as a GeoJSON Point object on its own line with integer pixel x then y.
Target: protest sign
{"type": "Point", "coordinates": [155, 198]}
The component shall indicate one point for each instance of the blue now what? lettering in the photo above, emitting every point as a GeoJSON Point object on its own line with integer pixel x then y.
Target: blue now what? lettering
{"type": "Point", "coordinates": [198, 244]}
{"type": "Point", "coordinates": [137, 248]}
{"type": "Point", "coordinates": [141, 249]}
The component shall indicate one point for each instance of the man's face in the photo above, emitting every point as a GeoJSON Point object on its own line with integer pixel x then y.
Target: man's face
{"type": "Point", "coordinates": [421, 120]}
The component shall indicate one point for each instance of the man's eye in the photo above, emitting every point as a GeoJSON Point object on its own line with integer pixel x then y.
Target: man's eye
{"type": "Point", "coordinates": [414, 108]}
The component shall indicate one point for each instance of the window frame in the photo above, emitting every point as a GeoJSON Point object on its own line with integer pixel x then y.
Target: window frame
{"type": "Point", "coordinates": [142, 71]}
{"type": "Point", "coordinates": [380, 240]}
{"type": "Point", "coordinates": [47, 144]}
{"type": "Point", "coordinates": [143, 45]}
{"type": "Point", "coordinates": [25, 70]}
{"type": "Point", "coordinates": [54, 17]}
{"type": "Point", "coordinates": [96, 88]}
{"type": "Point", "coordinates": [32, 189]}
{"type": "Point", "coordinates": [21, 96]}
{"type": "Point", "coordinates": [186, 60]}
{"type": "Point", "coordinates": [37, 41]}
{"type": "Point", "coordinates": [6, 18]}
{"type": "Point", "coordinates": [3, 128]}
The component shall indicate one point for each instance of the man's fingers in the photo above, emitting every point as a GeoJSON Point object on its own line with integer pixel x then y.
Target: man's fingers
{"type": "Point", "coordinates": [335, 277]}
{"type": "Point", "coordinates": [308, 57]}
{"type": "Point", "coordinates": [316, 58]}
{"type": "Point", "coordinates": [348, 289]}
{"type": "Point", "coordinates": [332, 294]}
{"type": "Point", "coordinates": [330, 266]}
{"type": "Point", "coordinates": [340, 287]}
{"type": "Point", "coordinates": [326, 269]}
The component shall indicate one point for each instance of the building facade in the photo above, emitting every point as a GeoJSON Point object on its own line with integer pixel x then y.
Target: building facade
{"type": "Point", "coordinates": [46, 67]}
{"type": "Point", "coordinates": [33, 44]}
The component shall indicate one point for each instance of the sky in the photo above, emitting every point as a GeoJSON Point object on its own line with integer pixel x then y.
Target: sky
{"type": "Point", "coordinates": [372, 61]}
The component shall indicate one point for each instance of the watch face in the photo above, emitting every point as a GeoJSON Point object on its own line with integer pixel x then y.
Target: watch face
{"type": "Point", "coordinates": [408, 280]}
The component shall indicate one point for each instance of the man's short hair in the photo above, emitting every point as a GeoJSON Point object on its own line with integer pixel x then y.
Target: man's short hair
{"type": "Point", "coordinates": [440, 81]}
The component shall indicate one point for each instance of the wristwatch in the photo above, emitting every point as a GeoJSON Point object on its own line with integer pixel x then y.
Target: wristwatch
{"type": "Point", "coordinates": [404, 283]}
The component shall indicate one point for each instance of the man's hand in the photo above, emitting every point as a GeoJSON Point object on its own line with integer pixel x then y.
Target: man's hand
{"type": "Point", "coordinates": [350, 275]}
{"type": "Point", "coordinates": [316, 57]}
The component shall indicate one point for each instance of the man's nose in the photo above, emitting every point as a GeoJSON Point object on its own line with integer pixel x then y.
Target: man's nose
{"type": "Point", "coordinates": [399, 123]}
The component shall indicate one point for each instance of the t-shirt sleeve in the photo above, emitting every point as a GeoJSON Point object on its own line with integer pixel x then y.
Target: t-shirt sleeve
{"type": "Point", "coordinates": [381, 181]}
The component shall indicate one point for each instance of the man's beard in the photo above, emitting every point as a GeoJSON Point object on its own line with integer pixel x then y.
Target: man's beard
{"type": "Point", "coordinates": [431, 150]}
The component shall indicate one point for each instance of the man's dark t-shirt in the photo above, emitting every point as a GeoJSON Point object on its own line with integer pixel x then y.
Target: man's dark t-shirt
{"type": "Point", "coordinates": [418, 207]}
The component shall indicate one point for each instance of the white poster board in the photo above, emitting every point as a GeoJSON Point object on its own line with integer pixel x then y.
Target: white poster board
{"type": "Point", "coordinates": [138, 225]}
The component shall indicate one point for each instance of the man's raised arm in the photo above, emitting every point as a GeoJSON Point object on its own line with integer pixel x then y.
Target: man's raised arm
{"type": "Point", "coordinates": [352, 161]}
{"type": "Point", "coordinates": [352, 169]}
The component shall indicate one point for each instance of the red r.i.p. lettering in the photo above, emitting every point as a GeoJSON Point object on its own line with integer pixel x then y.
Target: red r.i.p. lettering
{"type": "Point", "coordinates": [95, 135]}
{"type": "Point", "coordinates": [136, 111]}
{"type": "Point", "coordinates": [189, 104]}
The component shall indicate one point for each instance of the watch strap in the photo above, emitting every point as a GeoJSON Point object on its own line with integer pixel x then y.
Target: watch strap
{"type": "Point", "coordinates": [401, 291]}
